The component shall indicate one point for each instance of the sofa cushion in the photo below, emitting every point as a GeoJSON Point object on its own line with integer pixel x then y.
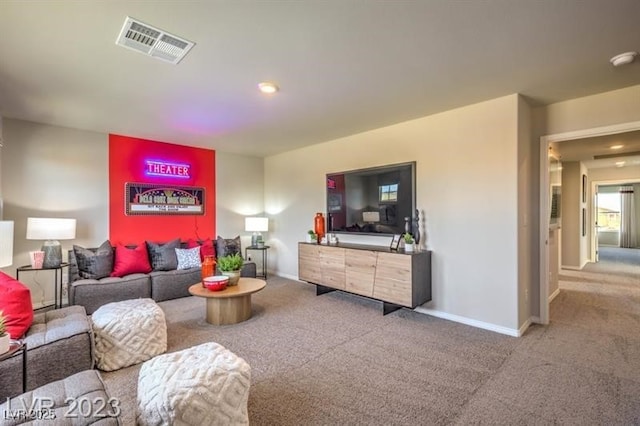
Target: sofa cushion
{"type": "Point", "coordinates": [227, 246]}
{"type": "Point", "coordinates": [80, 399]}
{"type": "Point", "coordinates": [15, 304]}
{"type": "Point", "coordinates": [188, 258]}
{"type": "Point", "coordinates": [94, 293]}
{"type": "Point", "coordinates": [207, 248]}
{"type": "Point", "coordinates": [131, 260]}
{"type": "Point", "coordinates": [94, 264]}
{"type": "Point", "coordinates": [57, 325]}
{"type": "Point", "coordinates": [163, 256]}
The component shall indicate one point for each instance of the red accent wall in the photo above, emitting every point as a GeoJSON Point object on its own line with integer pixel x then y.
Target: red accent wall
{"type": "Point", "coordinates": [127, 157]}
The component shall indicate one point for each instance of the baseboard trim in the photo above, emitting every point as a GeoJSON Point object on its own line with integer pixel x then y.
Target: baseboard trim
{"type": "Point", "coordinates": [571, 268]}
{"type": "Point", "coordinates": [291, 277]}
{"type": "Point", "coordinates": [554, 294]}
{"type": "Point", "coordinates": [468, 321]}
{"type": "Point", "coordinates": [524, 327]}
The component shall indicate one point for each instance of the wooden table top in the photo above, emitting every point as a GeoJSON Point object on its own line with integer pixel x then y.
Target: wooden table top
{"type": "Point", "coordinates": [245, 286]}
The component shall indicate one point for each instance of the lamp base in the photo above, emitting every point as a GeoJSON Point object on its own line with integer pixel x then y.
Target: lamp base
{"type": "Point", "coordinates": [254, 239]}
{"type": "Point", "coordinates": [52, 254]}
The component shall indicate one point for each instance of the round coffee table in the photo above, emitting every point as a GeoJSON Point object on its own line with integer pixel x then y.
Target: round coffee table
{"type": "Point", "coordinates": [231, 305]}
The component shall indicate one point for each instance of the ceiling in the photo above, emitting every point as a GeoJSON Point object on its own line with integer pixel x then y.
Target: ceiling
{"type": "Point", "coordinates": [343, 67]}
{"type": "Point", "coordinates": [596, 152]}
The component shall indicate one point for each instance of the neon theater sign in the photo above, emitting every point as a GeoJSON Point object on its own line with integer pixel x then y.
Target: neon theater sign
{"type": "Point", "coordinates": [165, 169]}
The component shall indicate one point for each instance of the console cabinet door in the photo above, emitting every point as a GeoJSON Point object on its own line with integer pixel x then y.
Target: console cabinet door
{"type": "Point", "coordinates": [309, 263]}
{"type": "Point", "coordinates": [393, 279]}
{"type": "Point", "coordinates": [332, 267]}
{"type": "Point", "coordinates": [360, 271]}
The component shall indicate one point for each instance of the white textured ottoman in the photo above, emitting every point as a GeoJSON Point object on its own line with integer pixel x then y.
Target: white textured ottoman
{"type": "Point", "coordinates": [128, 332]}
{"type": "Point", "coordinates": [202, 385]}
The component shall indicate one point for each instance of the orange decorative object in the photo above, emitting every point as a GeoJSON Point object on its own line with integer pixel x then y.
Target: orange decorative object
{"type": "Point", "coordinates": [319, 226]}
{"type": "Point", "coordinates": [208, 267]}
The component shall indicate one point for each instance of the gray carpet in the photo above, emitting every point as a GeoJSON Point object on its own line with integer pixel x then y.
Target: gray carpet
{"type": "Point", "coordinates": [336, 360]}
{"type": "Point", "coordinates": [616, 260]}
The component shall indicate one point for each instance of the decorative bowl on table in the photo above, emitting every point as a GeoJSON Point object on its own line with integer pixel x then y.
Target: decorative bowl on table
{"type": "Point", "coordinates": [216, 282]}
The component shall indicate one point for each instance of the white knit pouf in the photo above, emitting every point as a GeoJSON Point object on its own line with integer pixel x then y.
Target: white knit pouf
{"type": "Point", "coordinates": [128, 332]}
{"type": "Point", "coordinates": [202, 385]}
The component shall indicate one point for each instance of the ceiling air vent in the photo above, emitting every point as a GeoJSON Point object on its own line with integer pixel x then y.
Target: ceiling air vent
{"type": "Point", "coordinates": [152, 41]}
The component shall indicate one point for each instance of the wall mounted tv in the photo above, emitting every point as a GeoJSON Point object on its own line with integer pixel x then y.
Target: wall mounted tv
{"type": "Point", "coordinates": [371, 201]}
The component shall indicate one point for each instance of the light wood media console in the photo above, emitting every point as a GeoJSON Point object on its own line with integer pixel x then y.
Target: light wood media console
{"type": "Point", "coordinates": [396, 278]}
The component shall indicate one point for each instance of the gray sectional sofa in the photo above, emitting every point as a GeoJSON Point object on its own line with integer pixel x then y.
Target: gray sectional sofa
{"type": "Point", "coordinates": [157, 285]}
{"type": "Point", "coordinates": [80, 399]}
{"type": "Point", "coordinates": [59, 344]}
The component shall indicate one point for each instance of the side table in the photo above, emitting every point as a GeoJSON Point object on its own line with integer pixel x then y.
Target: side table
{"type": "Point", "coordinates": [18, 345]}
{"type": "Point", "coordinates": [57, 283]}
{"type": "Point", "coordinates": [263, 249]}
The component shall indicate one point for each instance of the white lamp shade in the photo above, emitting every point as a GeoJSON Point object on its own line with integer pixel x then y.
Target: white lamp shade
{"type": "Point", "coordinates": [41, 228]}
{"type": "Point", "coordinates": [6, 243]}
{"type": "Point", "coordinates": [256, 224]}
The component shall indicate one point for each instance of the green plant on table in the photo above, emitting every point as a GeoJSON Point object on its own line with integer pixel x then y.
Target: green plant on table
{"type": "Point", "coordinates": [408, 238]}
{"type": "Point", "coordinates": [232, 262]}
{"type": "Point", "coordinates": [312, 234]}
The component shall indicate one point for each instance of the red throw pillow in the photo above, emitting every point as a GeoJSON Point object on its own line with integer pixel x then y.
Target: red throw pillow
{"type": "Point", "coordinates": [206, 248]}
{"type": "Point", "coordinates": [130, 261]}
{"type": "Point", "coordinates": [15, 304]}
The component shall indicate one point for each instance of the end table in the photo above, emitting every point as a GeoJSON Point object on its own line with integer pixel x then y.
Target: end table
{"type": "Point", "coordinates": [57, 283]}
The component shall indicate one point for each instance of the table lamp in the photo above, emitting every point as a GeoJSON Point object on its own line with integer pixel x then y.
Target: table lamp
{"type": "Point", "coordinates": [256, 225]}
{"type": "Point", "coordinates": [51, 230]}
{"type": "Point", "coordinates": [6, 243]}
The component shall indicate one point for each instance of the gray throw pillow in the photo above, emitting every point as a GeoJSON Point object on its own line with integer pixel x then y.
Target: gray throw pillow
{"type": "Point", "coordinates": [163, 256]}
{"type": "Point", "coordinates": [94, 263]}
{"type": "Point", "coordinates": [228, 246]}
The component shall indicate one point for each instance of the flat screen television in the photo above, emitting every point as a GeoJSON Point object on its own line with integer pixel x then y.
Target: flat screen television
{"type": "Point", "coordinates": [371, 201]}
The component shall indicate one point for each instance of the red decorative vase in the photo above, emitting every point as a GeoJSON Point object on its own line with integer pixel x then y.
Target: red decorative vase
{"type": "Point", "coordinates": [319, 226]}
{"type": "Point", "coordinates": [208, 267]}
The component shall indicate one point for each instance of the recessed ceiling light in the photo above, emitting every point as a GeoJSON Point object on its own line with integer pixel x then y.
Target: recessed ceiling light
{"type": "Point", "coordinates": [623, 58]}
{"type": "Point", "coordinates": [268, 87]}
{"type": "Point", "coordinates": [616, 146]}
{"type": "Point", "coordinates": [619, 163]}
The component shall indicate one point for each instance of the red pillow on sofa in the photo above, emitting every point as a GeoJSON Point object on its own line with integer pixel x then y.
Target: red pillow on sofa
{"type": "Point", "coordinates": [130, 260]}
{"type": "Point", "coordinates": [206, 248]}
{"type": "Point", "coordinates": [15, 304]}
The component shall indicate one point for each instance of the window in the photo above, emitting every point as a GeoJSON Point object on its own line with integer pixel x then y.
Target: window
{"type": "Point", "coordinates": [389, 193]}
{"type": "Point", "coordinates": [608, 211]}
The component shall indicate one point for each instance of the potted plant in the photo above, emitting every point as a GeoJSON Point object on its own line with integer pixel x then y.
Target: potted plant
{"type": "Point", "coordinates": [312, 237]}
{"type": "Point", "coordinates": [408, 242]}
{"type": "Point", "coordinates": [5, 339]}
{"type": "Point", "coordinates": [230, 266]}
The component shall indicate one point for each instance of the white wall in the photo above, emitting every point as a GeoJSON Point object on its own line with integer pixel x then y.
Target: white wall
{"type": "Point", "coordinates": [50, 171]}
{"type": "Point", "coordinates": [239, 193]}
{"type": "Point", "coordinates": [527, 189]}
{"type": "Point", "coordinates": [574, 245]}
{"type": "Point", "coordinates": [467, 184]}
{"type": "Point", "coordinates": [604, 109]}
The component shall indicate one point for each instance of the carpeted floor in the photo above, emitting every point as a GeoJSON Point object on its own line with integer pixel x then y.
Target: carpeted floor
{"type": "Point", "coordinates": [336, 360]}
{"type": "Point", "coordinates": [617, 261]}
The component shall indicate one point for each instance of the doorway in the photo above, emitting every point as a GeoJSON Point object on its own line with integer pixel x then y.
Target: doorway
{"type": "Point", "coordinates": [545, 201]}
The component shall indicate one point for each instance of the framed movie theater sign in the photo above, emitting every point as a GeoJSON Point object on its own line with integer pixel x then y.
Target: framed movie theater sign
{"type": "Point", "coordinates": [162, 199]}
